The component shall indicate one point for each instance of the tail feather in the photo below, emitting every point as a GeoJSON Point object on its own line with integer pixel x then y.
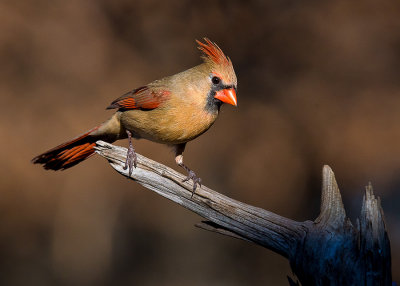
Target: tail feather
{"type": "Point", "coordinates": [68, 154]}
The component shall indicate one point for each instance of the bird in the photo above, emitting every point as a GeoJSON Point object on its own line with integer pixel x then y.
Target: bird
{"type": "Point", "coordinates": [172, 111]}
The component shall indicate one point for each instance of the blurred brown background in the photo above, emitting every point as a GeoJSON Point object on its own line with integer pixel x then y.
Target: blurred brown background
{"type": "Point", "coordinates": [318, 84]}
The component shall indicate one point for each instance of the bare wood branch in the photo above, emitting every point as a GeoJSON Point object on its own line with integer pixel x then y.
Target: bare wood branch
{"type": "Point", "coordinates": [210, 226]}
{"type": "Point", "coordinates": [327, 251]}
{"type": "Point", "coordinates": [251, 223]}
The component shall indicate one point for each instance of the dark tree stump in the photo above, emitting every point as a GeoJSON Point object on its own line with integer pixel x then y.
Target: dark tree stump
{"type": "Point", "coordinates": [334, 252]}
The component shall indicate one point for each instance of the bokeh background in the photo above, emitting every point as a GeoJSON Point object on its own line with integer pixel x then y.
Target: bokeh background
{"type": "Point", "coordinates": [318, 83]}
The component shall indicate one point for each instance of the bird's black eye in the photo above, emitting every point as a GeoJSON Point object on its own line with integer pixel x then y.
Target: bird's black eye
{"type": "Point", "coordinates": [215, 80]}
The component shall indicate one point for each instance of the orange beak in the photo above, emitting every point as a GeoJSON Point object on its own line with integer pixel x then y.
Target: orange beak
{"type": "Point", "coordinates": [227, 96]}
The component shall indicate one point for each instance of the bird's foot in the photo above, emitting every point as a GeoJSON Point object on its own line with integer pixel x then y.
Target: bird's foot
{"type": "Point", "coordinates": [131, 157]}
{"type": "Point", "coordinates": [192, 176]}
{"type": "Point", "coordinates": [131, 160]}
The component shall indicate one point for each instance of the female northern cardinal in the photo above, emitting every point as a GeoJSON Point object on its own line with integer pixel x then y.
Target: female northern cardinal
{"type": "Point", "coordinates": [172, 111]}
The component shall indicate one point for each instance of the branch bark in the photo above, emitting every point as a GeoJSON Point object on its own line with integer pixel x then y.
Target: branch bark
{"type": "Point", "coordinates": [327, 251]}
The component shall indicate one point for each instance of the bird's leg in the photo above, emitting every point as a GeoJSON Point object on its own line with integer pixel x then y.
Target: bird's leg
{"type": "Point", "coordinates": [131, 158]}
{"type": "Point", "coordinates": [191, 175]}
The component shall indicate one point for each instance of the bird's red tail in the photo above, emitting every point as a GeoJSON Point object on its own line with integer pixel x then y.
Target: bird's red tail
{"type": "Point", "coordinates": [69, 153]}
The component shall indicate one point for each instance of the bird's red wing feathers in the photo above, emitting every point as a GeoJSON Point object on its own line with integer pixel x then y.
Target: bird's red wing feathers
{"type": "Point", "coordinates": [141, 98]}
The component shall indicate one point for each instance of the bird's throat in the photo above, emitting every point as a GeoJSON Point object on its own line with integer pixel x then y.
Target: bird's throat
{"type": "Point", "coordinates": [212, 104]}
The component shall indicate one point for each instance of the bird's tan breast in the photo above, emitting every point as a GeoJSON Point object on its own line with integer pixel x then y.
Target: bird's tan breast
{"type": "Point", "coordinates": [177, 121]}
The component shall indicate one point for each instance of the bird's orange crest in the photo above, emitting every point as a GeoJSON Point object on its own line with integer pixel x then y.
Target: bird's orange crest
{"type": "Point", "coordinates": [213, 52]}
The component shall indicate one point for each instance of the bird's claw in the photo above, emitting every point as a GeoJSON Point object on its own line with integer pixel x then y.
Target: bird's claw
{"type": "Point", "coordinates": [131, 160]}
{"type": "Point", "coordinates": [131, 157]}
{"type": "Point", "coordinates": [196, 180]}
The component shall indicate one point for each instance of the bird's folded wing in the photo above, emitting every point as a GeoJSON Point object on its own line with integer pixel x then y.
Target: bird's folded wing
{"type": "Point", "coordinates": [140, 98]}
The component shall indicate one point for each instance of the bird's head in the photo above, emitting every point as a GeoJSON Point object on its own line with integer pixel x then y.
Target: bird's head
{"type": "Point", "coordinates": [220, 75]}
